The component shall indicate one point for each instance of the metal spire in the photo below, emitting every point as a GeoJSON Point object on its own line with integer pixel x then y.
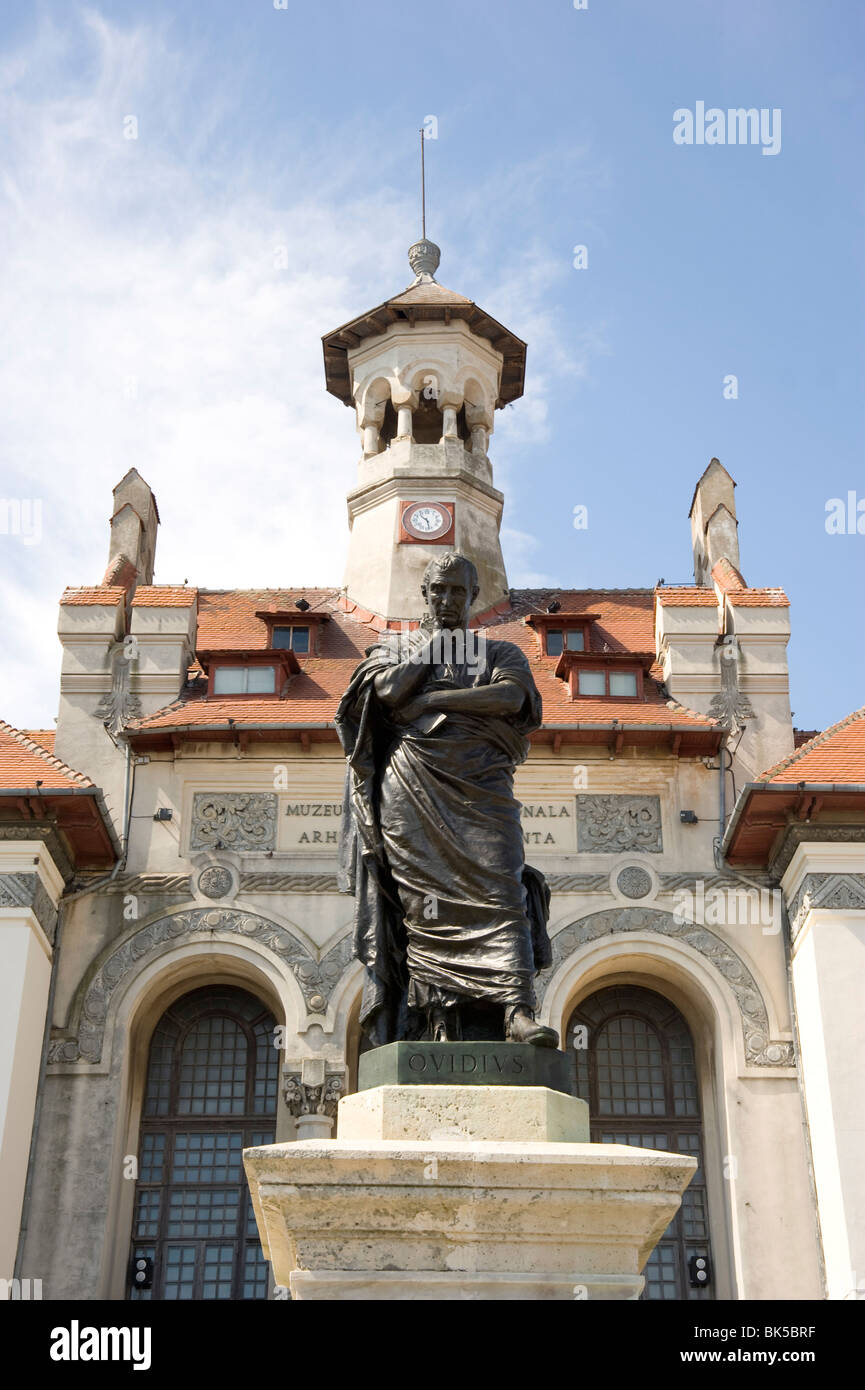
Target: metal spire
{"type": "Point", "coordinates": [424, 256]}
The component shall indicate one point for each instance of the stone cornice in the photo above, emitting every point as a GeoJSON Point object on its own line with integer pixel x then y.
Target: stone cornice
{"type": "Point", "coordinates": [839, 892]}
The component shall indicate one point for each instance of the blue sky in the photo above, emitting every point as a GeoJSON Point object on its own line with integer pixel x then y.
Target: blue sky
{"type": "Point", "coordinates": [147, 323]}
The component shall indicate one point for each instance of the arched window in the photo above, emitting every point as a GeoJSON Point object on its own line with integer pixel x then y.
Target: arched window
{"type": "Point", "coordinates": [211, 1091]}
{"type": "Point", "coordinates": [635, 1068]}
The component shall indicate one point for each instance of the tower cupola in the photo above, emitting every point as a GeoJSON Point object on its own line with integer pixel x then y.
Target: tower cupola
{"type": "Point", "coordinates": [425, 372]}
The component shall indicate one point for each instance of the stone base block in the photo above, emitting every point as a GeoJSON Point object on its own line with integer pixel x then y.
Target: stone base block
{"type": "Point", "coordinates": [453, 1218]}
{"type": "Point", "coordinates": [524, 1114]}
{"type": "Point", "coordinates": [427, 1286]}
{"type": "Point", "coordinates": [466, 1064]}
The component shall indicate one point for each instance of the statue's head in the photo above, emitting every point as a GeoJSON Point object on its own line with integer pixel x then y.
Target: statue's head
{"type": "Point", "coordinates": [450, 587]}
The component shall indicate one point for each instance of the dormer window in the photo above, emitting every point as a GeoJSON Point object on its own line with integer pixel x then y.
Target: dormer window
{"type": "Point", "coordinates": [294, 629]}
{"type": "Point", "coordinates": [244, 680]}
{"type": "Point", "coordinates": [253, 673]}
{"type": "Point", "coordinates": [605, 675]}
{"type": "Point", "coordinates": [571, 639]}
{"type": "Point", "coordinates": [293, 639]}
{"type": "Point", "coordinates": [559, 633]}
{"type": "Point", "coordinates": [623, 684]}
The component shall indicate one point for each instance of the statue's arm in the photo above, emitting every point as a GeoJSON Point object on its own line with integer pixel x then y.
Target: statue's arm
{"type": "Point", "coordinates": [397, 684]}
{"type": "Point", "coordinates": [504, 697]}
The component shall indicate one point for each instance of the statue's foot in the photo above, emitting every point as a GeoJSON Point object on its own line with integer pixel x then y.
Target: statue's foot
{"type": "Point", "coordinates": [444, 1025]}
{"type": "Point", "coordinates": [520, 1026]}
{"type": "Point", "coordinates": [378, 1028]}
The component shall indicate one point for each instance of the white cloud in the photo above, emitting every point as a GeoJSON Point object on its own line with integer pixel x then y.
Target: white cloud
{"type": "Point", "coordinates": [146, 324]}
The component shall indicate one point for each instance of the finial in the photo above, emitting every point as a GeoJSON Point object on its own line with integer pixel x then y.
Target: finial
{"type": "Point", "coordinates": [424, 259]}
{"type": "Point", "coordinates": [424, 256]}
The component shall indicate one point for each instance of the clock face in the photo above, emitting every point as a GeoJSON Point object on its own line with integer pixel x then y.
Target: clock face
{"type": "Point", "coordinates": [426, 521]}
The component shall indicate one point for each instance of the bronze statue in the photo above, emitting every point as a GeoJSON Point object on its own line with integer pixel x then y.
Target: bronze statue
{"type": "Point", "coordinates": [450, 922]}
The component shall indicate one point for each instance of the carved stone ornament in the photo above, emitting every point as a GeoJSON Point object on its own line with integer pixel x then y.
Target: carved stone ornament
{"type": "Point", "coordinates": [120, 704]}
{"type": "Point", "coordinates": [28, 891]}
{"type": "Point", "coordinates": [578, 883]}
{"type": "Point", "coordinates": [150, 883]}
{"type": "Point", "coordinates": [424, 258]}
{"type": "Point", "coordinates": [229, 820]}
{"type": "Point", "coordinates": [618, 824]}
{"type": "Point", "coordinates": [47, 833]}
{"type": "Point", "coordinates": [215, 881]}
{"type": "Point", "coordinates": [303, 1099]}
{"type": "Point", "coordinates": [634, 882]}
{"type": "Point", "coordinates": [288, 883]}
{"type": "Point", "coordinates": [730, 707]}
{"type": "Point", "coordinates": [143, 945]}
{"type": "Point", "coordinates": [827, 891]}
{"type": "Point", "coordinates": [798, 834]}
{"type": "Point", "coordinates": [760, 1049]}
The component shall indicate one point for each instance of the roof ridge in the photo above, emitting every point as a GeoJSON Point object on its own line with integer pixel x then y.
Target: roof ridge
{"type": "Point", "coordinates": [586, 589]}
{"type": "Point", "coordinates": [35, 748]}
{"type": "Point", "coordinates": [812, 743]}
{"type": "Point", "coordinates": [686, 709]}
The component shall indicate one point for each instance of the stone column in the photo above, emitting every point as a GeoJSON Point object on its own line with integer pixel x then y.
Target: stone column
{"type": "Point", "coordinates": [479, 440]}
{"type": "Point", "coordinates": [449, 423]}
{"type": "Point", "coordinates": [404, 422]}
{"type": "Point", "coordinates": [312, 1095]}
{"type": "Point", "coordinates": [825, 889]}
{"type": "Point", "coordinates": [30, 889]}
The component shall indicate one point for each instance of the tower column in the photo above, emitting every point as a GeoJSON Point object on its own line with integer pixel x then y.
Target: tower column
{"type": "Point", "coordinates": [479, 440]}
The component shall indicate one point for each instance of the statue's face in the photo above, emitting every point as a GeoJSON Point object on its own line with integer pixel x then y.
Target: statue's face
{"type": "Point", "coordinates": [450, 596]}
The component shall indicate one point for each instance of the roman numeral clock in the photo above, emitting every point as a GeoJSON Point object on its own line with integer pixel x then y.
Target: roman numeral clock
{"type": "Point", "coordinates": [426, 523]}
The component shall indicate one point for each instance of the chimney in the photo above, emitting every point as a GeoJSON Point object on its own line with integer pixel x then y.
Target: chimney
{"type": "Point", "coordinates": [714, 528]}
{"type": "Point", "coordinates": [134, 521]}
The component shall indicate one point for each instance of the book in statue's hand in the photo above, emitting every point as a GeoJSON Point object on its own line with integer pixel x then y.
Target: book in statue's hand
{"type": "Point", "coordinates": [429, 720]}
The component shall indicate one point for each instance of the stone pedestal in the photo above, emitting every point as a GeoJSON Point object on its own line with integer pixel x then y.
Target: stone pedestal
{"type": "Point", "coordinates": [455, 1192]}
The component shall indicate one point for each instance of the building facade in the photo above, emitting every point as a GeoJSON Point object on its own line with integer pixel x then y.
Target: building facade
{"type": "Point", "coordinates": [178, 961]}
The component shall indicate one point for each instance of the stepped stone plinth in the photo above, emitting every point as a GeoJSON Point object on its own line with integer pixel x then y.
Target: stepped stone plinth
{"type": "Point", "coordinates": [451, 1191]}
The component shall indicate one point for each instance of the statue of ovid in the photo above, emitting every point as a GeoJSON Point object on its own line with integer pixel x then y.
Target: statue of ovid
{"type": "Point", "coordinates": [450, 922]}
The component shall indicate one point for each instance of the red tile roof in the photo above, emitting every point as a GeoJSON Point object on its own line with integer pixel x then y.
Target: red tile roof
{"type": "Point", "coordinates": [109, 595]}
{"type": "Point", "coordinates": [23, 763]}
{"type": "Point", "coordinates": [836, 755]}
{"type": "Point", "coordinates": [227, 621]}
{"type": "Point", "coordinates": [759, 598]}
{"type": "Point", "coordinates": [44, 737]}
{"type": "Point", "coordinates": [164, 596]}
{"type": "Point", "coordinates": [226, 617]}
{"type": "Point", "coordinates": [726, 576]}
{"type": "Point", "coordinates": [686, 596]}
{"type": "Point", "coordinates": [801, 736]}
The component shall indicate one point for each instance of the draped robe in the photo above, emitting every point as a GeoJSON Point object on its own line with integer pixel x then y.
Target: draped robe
{"type": "Point", "coordinates": [446, 910]}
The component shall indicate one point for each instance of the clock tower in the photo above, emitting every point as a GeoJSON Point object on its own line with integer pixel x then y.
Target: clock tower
{"type": "Point", "coordinates": [425, 373]}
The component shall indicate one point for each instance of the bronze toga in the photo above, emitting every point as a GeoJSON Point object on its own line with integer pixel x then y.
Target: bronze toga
{"type": "Point", "coordinates": [446, 909]}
